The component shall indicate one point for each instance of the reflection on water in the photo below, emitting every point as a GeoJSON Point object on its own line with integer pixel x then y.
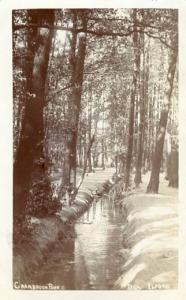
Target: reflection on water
{"type": "Point", "coordinates": [91, 259]}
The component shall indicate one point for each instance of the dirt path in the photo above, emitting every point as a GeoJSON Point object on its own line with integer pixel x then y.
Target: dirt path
{"type": "Point", "coordinates": [93, 181]}
{"type": "Point", "coordinates": [150, 256]}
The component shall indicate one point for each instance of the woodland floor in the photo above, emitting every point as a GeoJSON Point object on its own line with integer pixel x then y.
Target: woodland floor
{"type": "Point", "coordinates": [150, 233]}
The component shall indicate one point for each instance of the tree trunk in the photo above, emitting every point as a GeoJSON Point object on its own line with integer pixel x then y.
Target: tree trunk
{"type": "Point", "coordinates": [132, 102]}
{"type": "Point", "coordinates": [29, 156]}
{"type": "Point", "coordinates": [153, 185]}
{"type": "Point", "coordinates": [77, 68]}
{"type": "Point", "coordinates": [173, 168]}
{"type": "Point", "coordinates": [76, 98]}
{"type": "Point", "coordinates": [90, 129]}
{"type": "Point", "coordinates": [95, 150]}
{"type": "Point", "coordinates": [80, 152]}
{"type": "Point", "coordinates": [102, 154]}
{"type": "Point", "coordinates": [85, 163]}
{"type": "Point", "coordinates": [138, 177]}
{"type": "Point", "coordinates": [146, 92]}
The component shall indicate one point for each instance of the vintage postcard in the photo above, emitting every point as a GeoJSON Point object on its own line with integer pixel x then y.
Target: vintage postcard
{"type": "Point", "coordinates": [92, 163]}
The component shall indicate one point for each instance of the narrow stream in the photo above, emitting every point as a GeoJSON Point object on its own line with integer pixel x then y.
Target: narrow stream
{"type": "Point", "coordinates": [91, 259]}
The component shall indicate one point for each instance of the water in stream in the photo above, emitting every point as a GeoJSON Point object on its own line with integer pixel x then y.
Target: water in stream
{"type": "Point", "coordinates": [91, 259]}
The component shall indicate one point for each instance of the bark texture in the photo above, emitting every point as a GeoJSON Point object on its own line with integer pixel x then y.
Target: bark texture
{"type": "Point", "coordinates": [29, 154]}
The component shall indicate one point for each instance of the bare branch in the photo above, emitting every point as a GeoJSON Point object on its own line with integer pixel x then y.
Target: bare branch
{"type": "Point", "coordinates": [160, 39]}
{"type": "Point", "coordinates": [99, 33]}
{"type": "Point", "coordinates": [61, 90]}
{"type": "Point", "coordinates": [78, 30]}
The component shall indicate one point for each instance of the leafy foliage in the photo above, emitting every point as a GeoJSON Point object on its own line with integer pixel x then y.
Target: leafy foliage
{"type": "Point", "coordinates": [106, 91]}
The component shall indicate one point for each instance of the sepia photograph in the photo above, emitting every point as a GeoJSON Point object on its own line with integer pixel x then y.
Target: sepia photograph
{"type": "Point", "coordinates": [92, 150]}
{"type": "Point", "coordinates": [95, 149]}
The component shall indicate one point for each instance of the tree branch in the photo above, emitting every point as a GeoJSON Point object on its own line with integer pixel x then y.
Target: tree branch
{"type": "Point", "coordinates": [160, 39]}
{"type": "Point", "coordinates": [96, 33]}
{"type": "Point", "coordinates": [61, 90]}
{"type": "Point", "coordinates": [78, 30]}
{"type": "Point", "coordinates": [85, 166]}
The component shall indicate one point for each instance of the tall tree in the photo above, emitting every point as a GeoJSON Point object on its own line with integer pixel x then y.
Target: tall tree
{"type": "Point", "coordinates": [69, 134]}
{"type": "Point", "coordinates": [29, 157]}
{"type": "Point", "coordinates": [153, 185]}
{"type": "Point", "coordinates": [142, 84]}
{"type": "Point", "coordinates": [77, 92]}
{"type": "Point", "coordinates": [76, 58]}
{"type": "Point", "coordinates": [133, 99]}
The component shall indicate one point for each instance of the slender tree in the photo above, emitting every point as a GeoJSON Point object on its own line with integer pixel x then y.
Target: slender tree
{"type": "Point", "coordinates": [77, 51]}
{"type": "Point", "coordinates": [77, 93]}
{"type": "Point", "coordinates": [153, 185]}
{"type": "Point", "coordinates": [138, 176]}
{"type": "Point", "coordinates": [132, 100]}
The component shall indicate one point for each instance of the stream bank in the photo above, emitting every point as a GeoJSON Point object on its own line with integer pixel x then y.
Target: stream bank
{"type": "Point", "coordinates": [51, 232]}
{"type": "Point", "coordinates": [90, 258]}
